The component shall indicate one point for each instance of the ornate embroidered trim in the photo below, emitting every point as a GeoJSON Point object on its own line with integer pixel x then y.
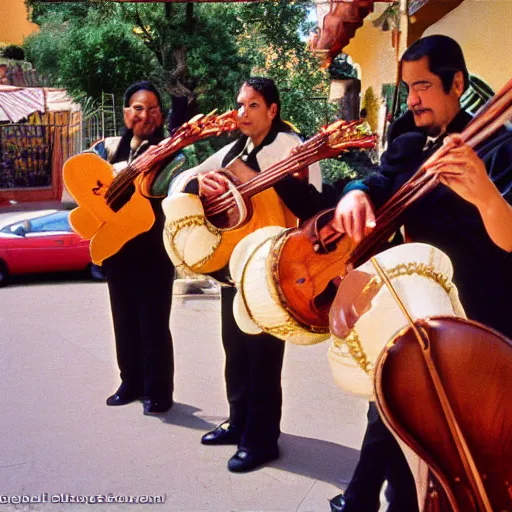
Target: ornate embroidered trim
{"type": "Point", "coordinates": [409, 269]}
{"type": "Point", "coordinates": [352, 341]}
{"type": "Point", "coordinates": [173, 228]}
{"type": "Point", "coordinates": [355, 349]}
{"type": "Point", "coordinates": [290, 326]}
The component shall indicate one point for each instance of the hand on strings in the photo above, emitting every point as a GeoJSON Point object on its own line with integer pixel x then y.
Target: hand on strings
{"type": "Point", "coordinates": [354, 215]}
{"type": "Point", "coordinates": [464, 172]}
{"type": "Point", "coordinates": [212, 184]}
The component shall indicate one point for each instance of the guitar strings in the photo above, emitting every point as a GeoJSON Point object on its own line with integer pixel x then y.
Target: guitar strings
{"type": "Point", "coordinates": [308, 155]}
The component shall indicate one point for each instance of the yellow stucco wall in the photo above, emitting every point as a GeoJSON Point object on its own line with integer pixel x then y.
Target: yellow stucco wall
{"type": "Point", "coordinates": [372, 49]}
{"type": "Point", "coordinates": [14, 26]}
{"type": "Point", "coordinates": [484, 30]}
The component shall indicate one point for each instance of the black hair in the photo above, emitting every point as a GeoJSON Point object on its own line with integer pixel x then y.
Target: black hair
{"type": "Point", "coordinates": [144, 85]}
{"type": "Point", "coordinates": [445, 58]}
{"type": "Point", "coordinates": [182, 110]}
{"type": "Point", "coordinates": [268, 89]}
{"type": "Point", "coordinates": [123, 148]}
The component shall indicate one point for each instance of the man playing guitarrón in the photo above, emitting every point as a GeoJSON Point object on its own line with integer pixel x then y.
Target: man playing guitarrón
{"type": "Point", "coordinates": [468, 217]}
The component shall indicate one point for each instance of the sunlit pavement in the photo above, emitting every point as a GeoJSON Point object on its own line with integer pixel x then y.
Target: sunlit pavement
{"type": "Point", "coordinates": [57, 367]}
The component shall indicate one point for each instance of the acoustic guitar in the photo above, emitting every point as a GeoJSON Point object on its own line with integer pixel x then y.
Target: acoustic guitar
{"type": "Point", "coordinates": [114, 209]}
{"type": "Point", "coordinates": [201, 237]}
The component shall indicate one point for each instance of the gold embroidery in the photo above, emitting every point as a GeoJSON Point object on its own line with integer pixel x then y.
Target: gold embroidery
{"type": "Point", "coordinates": [352, 342]}
{"type": "Point", "coordinates": [173, 228]}
{"type": "Point", "coordinates": [290, 326]}
{"type": "Point", "coordinates": [409, 269]}
{"type": "Point", "coordinates": [355, 349]}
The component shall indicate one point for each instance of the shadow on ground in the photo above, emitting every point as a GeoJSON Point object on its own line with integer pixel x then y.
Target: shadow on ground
{"type": "Point", "coordinates": [317, 459]}
{"type": "Point", "coordinates": [183, 415]}
{"type": "Point", "coordinates": [314, 458]}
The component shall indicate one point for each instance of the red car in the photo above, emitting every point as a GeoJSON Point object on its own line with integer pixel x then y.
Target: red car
{"type": "Point", "coordinates": [39, 242]}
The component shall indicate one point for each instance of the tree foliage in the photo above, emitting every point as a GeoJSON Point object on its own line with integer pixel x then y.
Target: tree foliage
{"type": "Point", "coordinates": [87, 61]}
{"type": "Point", "coordinates": [200, 50]}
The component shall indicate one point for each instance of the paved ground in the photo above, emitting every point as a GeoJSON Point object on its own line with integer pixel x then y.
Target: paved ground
{"type": "Point", "coordinates": [57, 366]}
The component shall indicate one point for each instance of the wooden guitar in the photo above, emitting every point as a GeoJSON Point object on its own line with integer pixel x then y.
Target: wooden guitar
{"type": "Point", "coordinates": [313, 258]}
{"type": "Point", "coordinates": [114, 209]}
{"type": "Point", "coordinates": [201, 237]}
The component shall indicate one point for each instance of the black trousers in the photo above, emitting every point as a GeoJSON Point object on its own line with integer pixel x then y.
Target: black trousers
{"type": "Point", "coordinates": [253, 380]}
{"type": "Point", "coordinates": [381, 459]}
{"type": "Point", "coordinates": [140, 278]}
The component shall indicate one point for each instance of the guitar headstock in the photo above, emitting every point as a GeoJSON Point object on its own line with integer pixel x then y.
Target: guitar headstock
{"type": "Point", "coordinates": [343, 135]}
{"type": "Point", "coordinates": [208, 125]}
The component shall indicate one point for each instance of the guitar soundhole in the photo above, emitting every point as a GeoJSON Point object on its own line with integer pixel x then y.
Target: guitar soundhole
{"type": "Point", "coordinates": [227, 219]}
{"type": "Point", "coordinates": [97, 191]}
{"type": "Point", "coordinates": [123, 198]}
{"type": "Point", "coordinates": [323, 301]}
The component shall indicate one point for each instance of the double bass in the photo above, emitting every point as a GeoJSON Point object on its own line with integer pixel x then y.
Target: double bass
{"type": "Point", "coordinates": [442, 385]}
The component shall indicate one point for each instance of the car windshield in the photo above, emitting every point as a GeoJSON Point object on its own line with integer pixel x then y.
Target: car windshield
{"type": "Point", "coordinates": [54, 222]}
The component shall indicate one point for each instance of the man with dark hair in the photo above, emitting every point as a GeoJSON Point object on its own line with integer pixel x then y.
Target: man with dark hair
{"type": "Point", "coordinates": [253, 363]}
{"type": "Point", "coordinates": [445, 58]}
{"type": "Point", "coordinates": [468, 216]}
{"type": "Point", "coordinates": [140, 275]}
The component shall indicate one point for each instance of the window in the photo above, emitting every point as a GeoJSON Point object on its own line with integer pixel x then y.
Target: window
{"type": "Point", "coordinates": [54, 222]}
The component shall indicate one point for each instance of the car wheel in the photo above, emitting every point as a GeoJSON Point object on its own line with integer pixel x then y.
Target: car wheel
{"type": "Point", "coordinates": [96, 272]}
{"type": "Point", "coordinates": [4, 274]}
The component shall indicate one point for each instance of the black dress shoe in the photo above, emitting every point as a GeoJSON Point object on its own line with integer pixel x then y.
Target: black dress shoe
{"type": "Point", "coordinates": [247, 460]}
{"type": "Point", "coordinates": [223, 434]}
{"type": "Point", "coordinates": [123, 396]}
{"type": "Point", "coordinates": [156, 406]}
{"type": "Point", "coordinates": [338, 503]}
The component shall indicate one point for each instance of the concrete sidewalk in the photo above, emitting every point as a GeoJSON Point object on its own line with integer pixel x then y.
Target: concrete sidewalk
{"type": "Point", "coordinates": [58, 436]}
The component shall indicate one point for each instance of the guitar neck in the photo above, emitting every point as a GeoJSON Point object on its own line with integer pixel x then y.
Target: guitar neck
{"type": "Point", "coordinates": [308, 153]}
{"type": "Point", "coordinates": [157, 157]}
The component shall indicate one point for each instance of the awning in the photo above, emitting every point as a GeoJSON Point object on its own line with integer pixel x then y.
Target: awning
{"type": "Point", "coordinates": [17, 103]}
{"type": "Point", "coordinates": [414, 5]}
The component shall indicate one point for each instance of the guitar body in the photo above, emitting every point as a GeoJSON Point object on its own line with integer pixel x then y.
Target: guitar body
{"type": "Point", "coordinates": [193, 242]}
{"type": "Point", "coordinates": [475, 367]}
{"type": "Point", "coordinates": [303, 275]}
{"type": "Point", "coordinates": [87, 177]}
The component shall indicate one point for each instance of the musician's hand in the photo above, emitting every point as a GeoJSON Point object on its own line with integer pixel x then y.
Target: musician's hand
{"type": "Point", "coordinates": [463, 171]}
{"type": "Point", "coordinates": [212, 184]}
{"type": "Point", "coordinates": [241, 171]}
{"type": "Point", "coordinates": [354, 215]}
{"type": "Point", "coordinates": [302, 174]}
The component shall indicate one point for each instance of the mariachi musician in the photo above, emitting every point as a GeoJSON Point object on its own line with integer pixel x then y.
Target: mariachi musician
{"type": "Point", "coordinates": [254, 363]}
{"type": "Point", "coordinates": [468, 216]}
{"type": "Point", "coordinates": [140, 275]}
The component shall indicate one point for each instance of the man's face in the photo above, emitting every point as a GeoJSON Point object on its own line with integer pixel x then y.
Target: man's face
{"type": "Point", "coordinates": [432, 107]}
{"type": "Point", "coordinates": [254, 116]}
{"type": "Point", "coordinates": [143, 115]}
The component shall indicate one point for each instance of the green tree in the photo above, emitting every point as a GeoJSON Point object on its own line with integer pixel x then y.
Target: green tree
{"type": "Point", "coordinates": [273, 36]}
{"type": "Point", "coordinates": [87, 61]}
{"type": "Point", "coordinates": [188, 50]}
